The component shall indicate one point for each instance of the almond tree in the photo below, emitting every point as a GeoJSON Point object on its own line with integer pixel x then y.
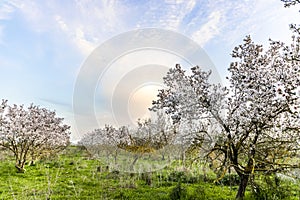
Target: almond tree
{"type": "Point", "coordinates": [288, 3]}
{"type": "Point", "coordinates": [255, 123]}
{"type": "Point", "coordinates": [103, 142]}
{"type": "Point", "coordinates": [150, 136]}
{"type": "Point", "coordinates": [31, 132]}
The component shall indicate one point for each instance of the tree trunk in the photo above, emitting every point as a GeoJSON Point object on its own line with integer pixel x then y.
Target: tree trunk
{"type": "Point", "coordinates": [31, 163]}
{"type": "Point", "coordinates": [20, 166]}
{"type": "Point", "coordinates": [242, 187]}
{"type": "Point", "coordinates": [134, 161]}
{"type": "Point", "coordinates": [115, 159]}
{"type": "Point", "coordinates": [163, 157]}
{"type": "Point", "coordinates": [147, 177]}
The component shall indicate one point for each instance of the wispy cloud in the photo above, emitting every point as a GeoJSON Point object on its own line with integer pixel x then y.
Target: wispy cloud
{"type": "Point", "coordinates": [37, 15]}
{"type": "Point", "coordinates": [209, 30]}
{"type": "Point", "coordinates": [5, 10]}
{"type": "Point", "coordinates": [88, 23]}
{"type": "Point", "coordinates": [261, 19]}
{"type": "Point", "coordinates": [167, 14]}
{"type": "Point", "coordinates": [214, 19]}
{"type": "Point", "coordinates": [94, 22]}
{"type": "Point", "coordinates": [85, 23]}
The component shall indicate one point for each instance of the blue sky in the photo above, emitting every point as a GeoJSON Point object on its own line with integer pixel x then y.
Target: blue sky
{"type": "Point", "coordinates": [43, 44]}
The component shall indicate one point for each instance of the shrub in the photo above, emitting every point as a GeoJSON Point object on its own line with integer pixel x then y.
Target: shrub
{"type": "Point", "coordinates": [177, 176]}
{"type": "Point", "coordinates": [270, 188]}
{"type": "Point", "coordinates": [178, 192]}
{"type": "Point", "coordinates": [197, 194]}
{"type": "Point", "coordinates": [147, 177]}
{"type": "Point", "coordinates": [229, 180]}
{"type": "Point", "coordinates": [113, 175]}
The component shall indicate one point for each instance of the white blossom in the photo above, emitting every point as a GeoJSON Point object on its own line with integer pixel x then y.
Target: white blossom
{"type": "Point", "coordinates": [31, 132]}
{"type": "Point", "coordinates": [256, 121]}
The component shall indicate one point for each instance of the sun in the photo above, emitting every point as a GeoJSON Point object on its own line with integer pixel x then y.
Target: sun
{"type": "Point", "coordinates": [141, 99]}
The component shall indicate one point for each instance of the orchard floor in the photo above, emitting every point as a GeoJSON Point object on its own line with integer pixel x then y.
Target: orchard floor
{"type": "Point", "coordinates": [73, 175]}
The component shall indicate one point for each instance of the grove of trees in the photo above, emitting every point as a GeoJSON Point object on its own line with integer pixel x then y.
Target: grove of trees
{"type": "Point", "coordinates": [149, 139]}
{"type": "Point", "coordinates": [251, 126]}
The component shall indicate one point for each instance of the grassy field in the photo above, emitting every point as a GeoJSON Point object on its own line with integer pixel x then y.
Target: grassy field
{"type": "Point", "coordinates": [73, 175]}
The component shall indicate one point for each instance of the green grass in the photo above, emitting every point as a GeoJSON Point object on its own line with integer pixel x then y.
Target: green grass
{"type": "Point", "coordinates": [73, 175]}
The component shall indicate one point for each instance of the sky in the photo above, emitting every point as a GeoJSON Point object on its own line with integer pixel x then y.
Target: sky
{"type": "Point", "coordinates": [44, 45]}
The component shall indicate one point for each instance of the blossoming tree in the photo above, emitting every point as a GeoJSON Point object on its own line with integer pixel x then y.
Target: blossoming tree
{"type": "Point", "coordinates": [31, 132]}
{"type": "Point", "coordinates": [288, 3]}
{"type": "Point", "coordinates": [255, 123]}
{"type": "Point", "coordinates": [150, 137]}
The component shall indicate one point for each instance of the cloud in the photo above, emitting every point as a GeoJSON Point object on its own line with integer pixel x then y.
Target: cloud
{"type": "Point", "coordinates": [211, 21]}
{"type": "Point", "coordinates": [84, 23]}
{"type": "Point", "coordinates": [94, 22]}
{"type": "Point", "coordinates": [167, 14]}
{"type": "Point", "coordinates": [5, 11]}
{"type": "Point", "coordinates": [88, 23]}
{"type": "Point", "coordinates": [261, 19]}
{"type": "Point", "coordinates": [209, 30]}
{"type": "Point", "coordinates": [37, 15]}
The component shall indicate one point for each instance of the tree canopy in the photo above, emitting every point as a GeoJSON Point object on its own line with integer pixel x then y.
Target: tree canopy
{"type": "Point", "coordinates": [31, 132]}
